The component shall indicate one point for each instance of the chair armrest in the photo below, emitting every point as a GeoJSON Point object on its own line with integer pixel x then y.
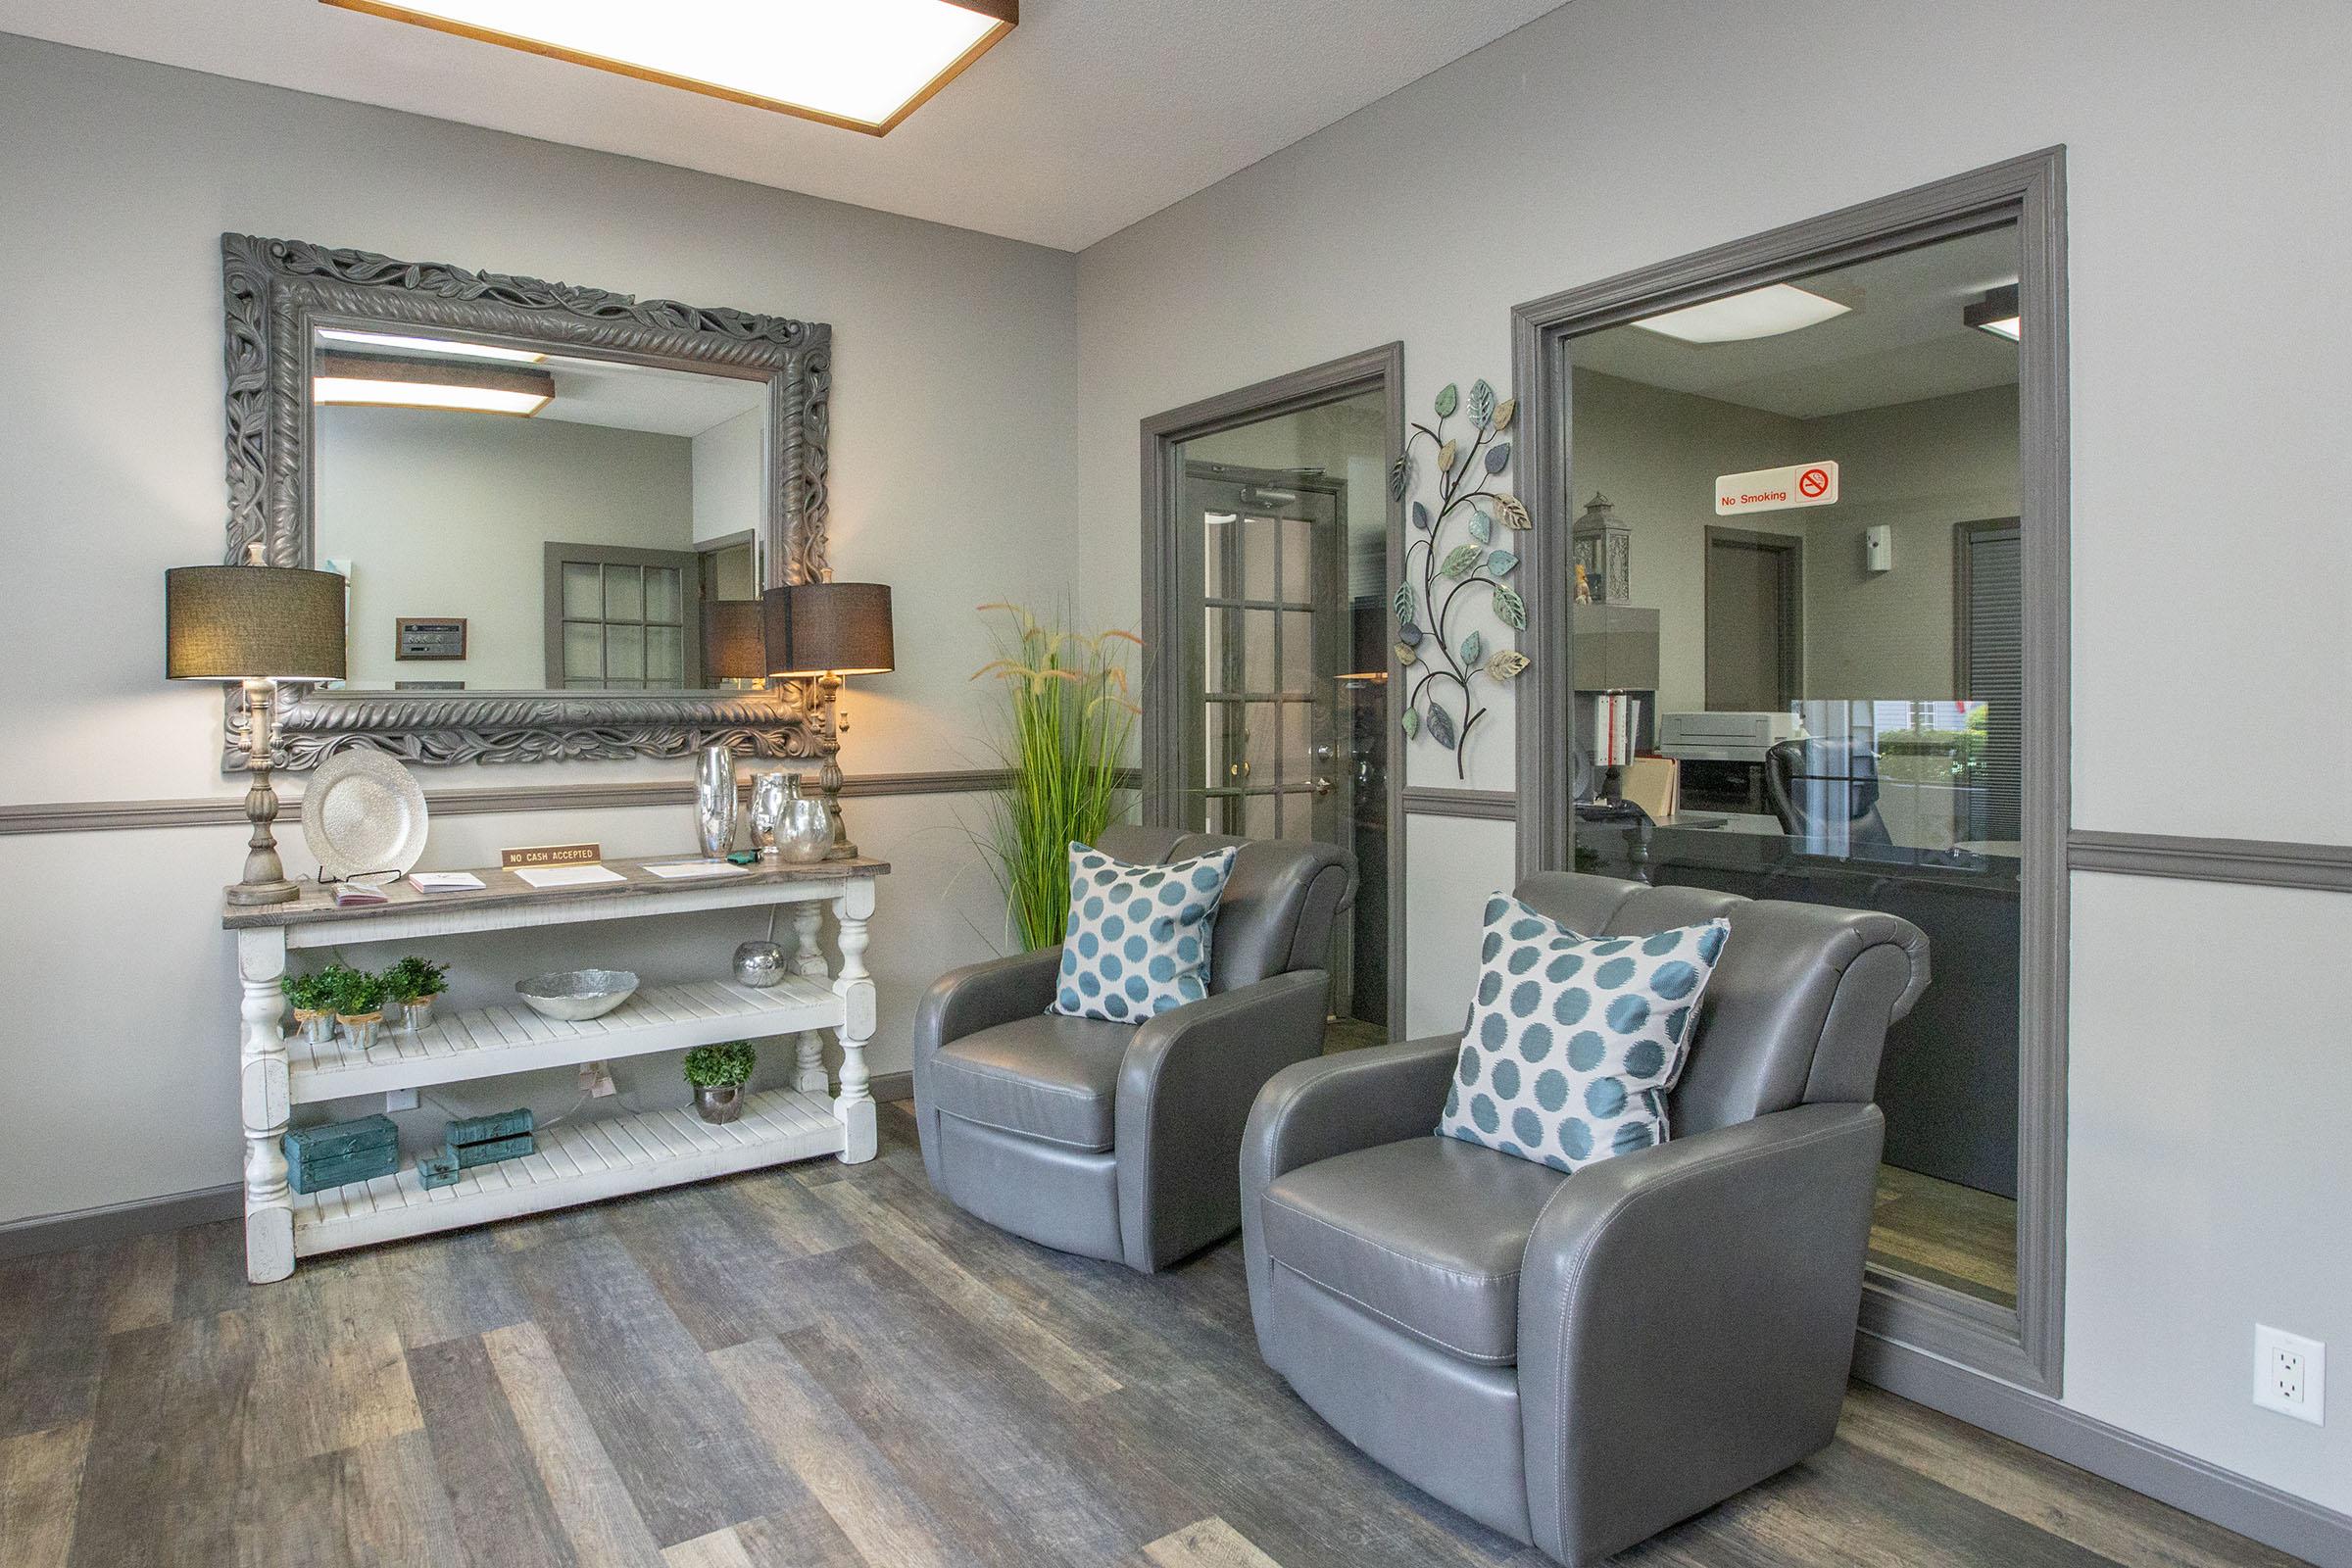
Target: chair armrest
{"type": "Point", "coordinates": [1687, 1321]}
{"type": "Point", "coordinates": [963, 1001]}
{"type": "Point", "coordinates": [1332, 1105]}
{"type": "Point", "coordinates": [1185, 1091]}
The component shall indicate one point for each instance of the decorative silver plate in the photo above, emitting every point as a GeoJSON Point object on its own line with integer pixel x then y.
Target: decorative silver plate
{"type": "Point", "coordinates": [363, 814]}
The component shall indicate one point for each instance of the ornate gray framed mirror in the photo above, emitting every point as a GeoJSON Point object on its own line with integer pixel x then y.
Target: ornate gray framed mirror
{"type": "Point", "coordinates": [549, 503]}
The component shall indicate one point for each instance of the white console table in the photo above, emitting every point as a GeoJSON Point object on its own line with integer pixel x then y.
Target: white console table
{"type": "Point", "coordinates": [579, 1161]}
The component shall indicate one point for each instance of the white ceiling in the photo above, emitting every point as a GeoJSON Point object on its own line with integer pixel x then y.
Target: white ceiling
{"type": "Point", "coordinates": [642, 397]}
{"type": "Point", "coordinates": [1901, 340]}
{"type": "Point", "coordinates": [1092, 115]}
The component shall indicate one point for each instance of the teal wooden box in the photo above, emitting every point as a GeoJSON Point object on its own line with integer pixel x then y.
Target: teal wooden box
{"type": "Point", "coordinates": [492, 1150]}
{"type": "Point", "coordinates": [483, 1129]}
{"type": "Point", "coordinates": [334, 1139]}
{"type": "Point", "coordinates": [359, 1165]}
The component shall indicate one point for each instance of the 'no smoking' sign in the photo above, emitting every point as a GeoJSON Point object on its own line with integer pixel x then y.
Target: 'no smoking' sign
{"type": "Point", "coordinates": [1802, 484]}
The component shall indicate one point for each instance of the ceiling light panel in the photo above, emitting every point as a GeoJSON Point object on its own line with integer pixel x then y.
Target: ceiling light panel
{"type": "Point", "coordinates": [861, 63]}
{"type": "Point", "coordinates": [443, 346]}
{"type": "Point", "coordinates": [1765, 311]}
{"type": "Point", "coordinates": [371, 380]}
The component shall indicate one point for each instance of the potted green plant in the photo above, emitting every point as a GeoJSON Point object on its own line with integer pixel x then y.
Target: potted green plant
{"type": "Point", "coordinates": [313, 998]}
{"type": "Point", "coordinates": [359, 1004]}
{"type": "Point", "coordinates": [1065, 726]}
{"type": "Point", "coordinates": [718, 1073]}
{"type": "Point", "coordinates": [412, 983]}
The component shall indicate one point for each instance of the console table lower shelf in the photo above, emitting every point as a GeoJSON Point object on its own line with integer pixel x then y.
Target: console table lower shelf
{"type": "Point", "coordinates": [577, 1162]}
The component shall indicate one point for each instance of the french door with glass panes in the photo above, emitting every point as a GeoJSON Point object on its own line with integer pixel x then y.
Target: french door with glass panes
{"type": "Point", "coordinates": [622, 618]}
{"type": "Point", "coordinates": [1265, 564]}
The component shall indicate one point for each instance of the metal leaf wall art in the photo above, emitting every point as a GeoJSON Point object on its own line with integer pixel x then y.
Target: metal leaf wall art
{"type": "Point", "coordinates": [1446, 666]}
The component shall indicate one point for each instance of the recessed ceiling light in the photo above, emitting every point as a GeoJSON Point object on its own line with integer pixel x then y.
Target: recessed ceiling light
{"type": "Point", "coordinates": [1765, 311]}
{"type": "Point", "coordinates": [1996, 312]}
{"type": "Point", "coordinates": [433, 344]}
{"type": "Point", "coordinates": [865, 64]}
{"type": "Point", "coordinates": [374, 380]}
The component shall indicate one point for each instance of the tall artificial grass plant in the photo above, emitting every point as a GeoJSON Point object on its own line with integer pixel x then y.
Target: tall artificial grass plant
{"type": "Point", "coordinates": [1065, 729]}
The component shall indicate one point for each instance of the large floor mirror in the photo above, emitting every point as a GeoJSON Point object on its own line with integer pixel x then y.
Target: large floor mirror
{"type": "Point", "coordinates": [1807, 492]}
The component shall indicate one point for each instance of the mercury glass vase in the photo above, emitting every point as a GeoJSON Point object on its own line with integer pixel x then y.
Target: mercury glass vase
{"type": "Point", "coordinates": [804, 825]}
{"type": "Point", "coordinates": [714, 801]}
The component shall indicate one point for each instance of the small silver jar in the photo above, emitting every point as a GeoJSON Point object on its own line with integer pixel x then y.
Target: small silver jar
{"type": "Point", "coordinates": [759, 963]}
{"type": "Point", "coordinates": [767, 806]}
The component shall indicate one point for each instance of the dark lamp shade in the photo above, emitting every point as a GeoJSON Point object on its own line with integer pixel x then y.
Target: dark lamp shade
{"type": "Point", "coordinates": [734, 640]}
{"type": "Point", "coordinates": [838, 629]}
{"type": "Point", "coordinates": [251, 623]}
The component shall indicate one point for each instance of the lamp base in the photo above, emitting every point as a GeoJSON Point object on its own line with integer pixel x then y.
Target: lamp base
{"type": "Point", "coordinates": [265, 880]}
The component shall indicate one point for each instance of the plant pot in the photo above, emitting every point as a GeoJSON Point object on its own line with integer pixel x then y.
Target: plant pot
{"type": "Point", "coordinates": [317, 1028]}
{"type": "Point", "coordinates": [361, 1027]}
{"type": "Point", "coordinates": [415, 1014]}
{"type": "Point", "coordinates": [718, 1103]}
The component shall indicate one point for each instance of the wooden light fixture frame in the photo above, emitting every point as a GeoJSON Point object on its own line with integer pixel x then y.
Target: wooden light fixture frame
{"type": "Point", "coordinates": [1007, 14]}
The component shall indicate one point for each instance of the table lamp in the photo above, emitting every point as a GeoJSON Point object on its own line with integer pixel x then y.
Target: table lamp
{"type": "Point", "coordinates": [255, 625]}
{"type": "Point", "coordinates": [734, 640]}
{"type": "Point", "coordinates": [821, 631]}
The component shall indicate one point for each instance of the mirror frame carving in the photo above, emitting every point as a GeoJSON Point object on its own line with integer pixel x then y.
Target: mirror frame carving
{"type": "Point", "coordinates": [276, 291]}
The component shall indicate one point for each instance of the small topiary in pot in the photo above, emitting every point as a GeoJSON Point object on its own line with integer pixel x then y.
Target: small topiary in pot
{"type": "Point", "coordinates": [718, 1073]}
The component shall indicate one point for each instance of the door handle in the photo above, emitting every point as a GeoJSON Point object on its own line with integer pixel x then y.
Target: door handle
{"type": "Point", "coordinates": [1323, 786]}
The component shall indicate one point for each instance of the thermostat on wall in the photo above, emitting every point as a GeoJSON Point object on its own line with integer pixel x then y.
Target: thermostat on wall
{"type": "Point", "coordinates": [1878, 549]}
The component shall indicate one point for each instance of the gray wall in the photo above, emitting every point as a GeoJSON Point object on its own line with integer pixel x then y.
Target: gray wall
{"type": "Point", "coordinates": [2212, 362]}
{"type": "Point", "coordinates": [116, 180]}
{"type": "Point", "coordinates": [1917, 468]}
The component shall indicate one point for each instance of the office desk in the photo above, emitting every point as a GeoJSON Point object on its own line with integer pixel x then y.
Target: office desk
{"type": "Point", "coordinates": [1949, 1080]}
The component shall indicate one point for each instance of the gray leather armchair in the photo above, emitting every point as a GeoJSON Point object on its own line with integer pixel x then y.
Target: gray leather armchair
{"type": "Point", "coordinates": [1121, 1141]}
{"type": "Point", "coordinates": [1580, 1360]}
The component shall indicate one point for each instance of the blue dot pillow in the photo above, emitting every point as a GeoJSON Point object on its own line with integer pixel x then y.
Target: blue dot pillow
{"type": "Point", "coordinates": [1573, 1041]}
{"type": "Point", "coordinates": [1138, 935]}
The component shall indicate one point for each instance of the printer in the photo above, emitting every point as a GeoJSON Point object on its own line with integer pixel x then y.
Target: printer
{"type": "Point", "coordinates": [1722, 756]}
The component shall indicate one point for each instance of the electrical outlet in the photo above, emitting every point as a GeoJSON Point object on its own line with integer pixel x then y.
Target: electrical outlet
{"type": "Point", "coordinates": [2290, 1374]}
{"type": "Point", "coordinates": [596, 1080]}
{"type": "Point", "coordinates": [400, 1100]}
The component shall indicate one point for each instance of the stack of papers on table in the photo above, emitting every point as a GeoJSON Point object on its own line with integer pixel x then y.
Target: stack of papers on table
{"type": "Point", "coordinates": [688, 871]}
{"type": "Point", "coordinates": [567, 876]}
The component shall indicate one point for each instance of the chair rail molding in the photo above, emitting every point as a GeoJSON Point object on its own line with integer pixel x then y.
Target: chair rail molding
{"type": "Point", "coordinates": [2250, 862]}
{"type": "Point", "coordinates": [115, 817]}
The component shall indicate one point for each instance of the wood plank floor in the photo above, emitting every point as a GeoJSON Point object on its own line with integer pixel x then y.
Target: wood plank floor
{"type": "Point", "coordinates": [821, 1366]}
{"type": "Point", "coordinates": [1948, 1233]}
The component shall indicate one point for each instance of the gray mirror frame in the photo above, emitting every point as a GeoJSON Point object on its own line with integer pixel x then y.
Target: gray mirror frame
{"type": "Point", "coordinates": [276, 291]}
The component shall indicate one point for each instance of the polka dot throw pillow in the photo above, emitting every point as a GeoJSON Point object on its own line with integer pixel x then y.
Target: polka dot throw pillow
{"type": "Point", "coordinates": [1574, 1041]}
{"type": "Point", "coordinates": [1138, 935]}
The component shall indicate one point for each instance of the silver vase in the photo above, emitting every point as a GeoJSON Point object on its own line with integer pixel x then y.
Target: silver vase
{"type": "Point", "coordinates": [760, 964]}
{"type": "Point", "coordinates": [718, 1103]}
{"type": "Point", "coordinates": [714, 801]}
{"type": "Point", "coordinates": [768, 808]}
{"type": "Point", "coordinates": [804, 825]}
